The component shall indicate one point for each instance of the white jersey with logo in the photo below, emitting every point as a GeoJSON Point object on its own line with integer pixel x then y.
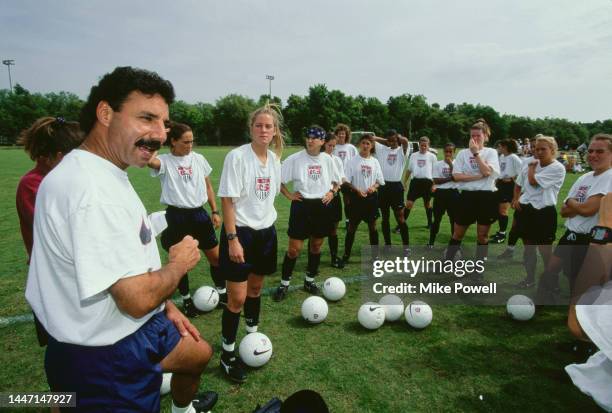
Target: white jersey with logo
{"type": "Point", "coordinates": [442, 170]}
{"type": "Point", "coordinates": [85, 240]}
{"type": "Point", "coordinates": [585, 187]}
{"type": "Point", "coordinates": [509, 166]}
{"type": "Point", "coordinates": [362, 173]}
{"type": "Point", "coordinates": [346, 152]}
{"type": "Point", "coordinates": [183, 179]}
{"type": "Point", "coordinates": [549, 178]}
{"type": "Point", "coordinates": [421, 165]}
{"type": "Point", "coordinates": [312, 176]}
{"type": "Point", "coordinates": [252, 186]}
{"type": "Point", "coordinates": [392, 161]}
{"type": "Point", "coordinates": [466, 163]}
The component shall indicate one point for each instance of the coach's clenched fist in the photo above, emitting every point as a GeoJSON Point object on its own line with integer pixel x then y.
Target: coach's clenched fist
{"type": "Point", "coordinates": [185, 253]}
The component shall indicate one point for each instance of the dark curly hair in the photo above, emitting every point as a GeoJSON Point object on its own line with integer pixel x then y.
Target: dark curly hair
{"type": "Point", "coordinates": [47, 136]}
{"type": "Point", "coordinates": [115, 87]}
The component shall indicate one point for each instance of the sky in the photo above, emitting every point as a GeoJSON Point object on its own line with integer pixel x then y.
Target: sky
{"type": "Point", "coordinates": [525, 57]}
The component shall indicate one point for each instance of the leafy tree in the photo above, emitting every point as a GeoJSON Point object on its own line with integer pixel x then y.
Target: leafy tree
{"type": "Point", "coordinates": [231, 115]}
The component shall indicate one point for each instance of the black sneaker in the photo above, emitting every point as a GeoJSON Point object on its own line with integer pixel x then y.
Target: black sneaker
{"type": "Point", "coordinates": [222, 300]}
{"type": "Point", "coordinates": [525, 283]}
{"type": "Point", "coordinates": [189, 308]}
{"type": "Point", "coordinates": [234, 370]}
{"type": "Point", "coordinates": [311, 287]}
{"type": "Point", "coordinates": [498, 238]}
{"type": "Point", "coordinates": [508, 254]}
{"type": "Point", "coordinates": [335, 263]}
{"type": "Point", "coordinates": [280, 293]}
{"type": "Point", "coordinates": [397, 230]}
{"type": "Point", "coordinates": [204, 402]}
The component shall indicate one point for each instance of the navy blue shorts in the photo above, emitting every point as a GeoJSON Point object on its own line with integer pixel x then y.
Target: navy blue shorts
{"type": "Point", "coordinates": [309, 217]}
{"type": "Point", "coordinates": [419, 188]}
{"type": "Point", "coordinates": [476, 206]}
{"type": "Point", "coordinates": [505, 191]}
{"type": "Point", "coordinates": [363, 209]}
{"type": "Point", "coordinates": [123, 377]}
{"type": "Point", "coordinates": [260, 249]}
{"type": "Point", "coordinates": [195, 222]}
{"type": "Point", "coordinates": [391, 195]}
{"type": "Point", "coordinates": [445, 200]}
{"type": "Point", "coordinates": [335, 209]}
{"type": "Point", "coordinates": [537, 225]}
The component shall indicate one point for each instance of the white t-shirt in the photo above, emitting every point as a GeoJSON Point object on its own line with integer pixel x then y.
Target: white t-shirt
{"type": "Point", "coordinates": [392, 161]}
{"type": "Point", "coordinates": [339, 168]}
{"type": "Point", "coordinates": [183, 179]}
{"type": "Point", "coordinates": [442, 170]}
{"type": "Point", "coordinates": [312, 176]}
{"type": "Point", "coordinates": [421, 165]}
{"type": "Point", "coordinates": [362, 173]}
{"type": "Point", "coordinates": [509, 166]}
{"type": "Point", "coordinates": [90, 230]}
{"type": "Point", "coordinates": [549, 179]}
{"type": "Point", "coordinates": [252, 186]}
{"type": "Point", "coordinates": [526, 160]}
{"type": "Point", "coordinates": [585, 187]}
{"type": "Point", "coordinates": [346, 152]}
{"type": "Point", "coordinates": [466, 163]}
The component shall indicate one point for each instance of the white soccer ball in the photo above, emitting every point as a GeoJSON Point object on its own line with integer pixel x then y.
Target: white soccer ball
{"type": "Point", "coordinates": [165, 386]}
{"type": "Point", "coordinates": [206, 298]}
{"type": "Point", "coordinates": [393, 306]}
{"type": "Point", "coordinates": [255, 349]}
{"type": "Point", "coordinates": [520, 307]}
{"type": "Point", "coordinates": [334, 289]}
{"type": "Point", "coordinates": [418, 314]}
{"type": "Point", "coordinates": [371, 315]}
{"type": "Point", "coordinates": [314, 309]}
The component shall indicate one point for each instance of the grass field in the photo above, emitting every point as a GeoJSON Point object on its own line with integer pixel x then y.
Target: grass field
{"type": "Point", "coordinates": [469, 359]}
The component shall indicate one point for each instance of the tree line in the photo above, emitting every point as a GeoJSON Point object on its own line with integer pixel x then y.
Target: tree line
{"type": "Point", "coordinates": [226, 121]}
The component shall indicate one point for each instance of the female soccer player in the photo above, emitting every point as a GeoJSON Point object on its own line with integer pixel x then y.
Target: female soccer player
{"type": "Point", "coordinates": [540, 182]}
{"type": "Point", "coordinates": [250, 181]}
{"type": "Point", "coordinates": [185, 188]}
{"type": "Point", "coordinates": [315, 180]}
{"type": "Point", "coordinates": [391, 155]}
{"type": "Point", "coordinates": [46, 142]}
{"type": "Point", "coordinates": [335, 206]}
{"type": "Point", "coordinates": [580, 208]}
{"type": "Point", "coordinates": [420, 166]}
{"type": "Point", "coordinates": [474, 171]}
{"type": "Point", "coordinates": [509, 166]}
{"type": "Point", "coordinates": [364, 176]}
{"type": "Point", "coordinates": [446, 195]}
{"type": "Point", "coordinates": [346, 151]}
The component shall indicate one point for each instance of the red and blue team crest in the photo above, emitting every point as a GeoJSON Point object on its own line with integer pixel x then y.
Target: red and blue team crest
{"type": "Point", "coordinates": [145, 233]}
{"type": "Point", "coordinates": [446, 171]}
{"type": "Point", "coordinates": [185, 172]}
{"type": "Point", "coordinates": [314, 172]}
{"type": "Point", "coordinates": [366, 171]}
{"type": "Point", "coordinates": [262, 187]}
{"type": "Point", "coordinates": [342, 154]}
{"type": "Point", "coordinates": [392, 158]}
{"type": "Point", "coordinates": [421, 163]}
{"type": "Point", "coordinates": [581, 194]}
{"type": "Point", "coordinates": [474, 163]}
{"type": "Point", "coordinates": [502, 166]}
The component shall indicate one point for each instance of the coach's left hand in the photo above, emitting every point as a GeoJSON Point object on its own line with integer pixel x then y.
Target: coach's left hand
{"type": "Point", "coordinates": [216, 221]}
{"type": "Point", "coordinates": [182, 323]}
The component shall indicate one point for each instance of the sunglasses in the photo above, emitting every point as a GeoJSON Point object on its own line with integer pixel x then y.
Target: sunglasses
{"type": "Point", "coordinates": [150, 145]}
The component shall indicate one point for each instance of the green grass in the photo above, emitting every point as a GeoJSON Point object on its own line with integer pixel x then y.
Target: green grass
{"type": "Point", "coordinates": [467, 352]}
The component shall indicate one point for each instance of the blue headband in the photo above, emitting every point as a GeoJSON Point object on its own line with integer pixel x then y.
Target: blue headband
{"type": "Point", "coordinates": [316, 133]}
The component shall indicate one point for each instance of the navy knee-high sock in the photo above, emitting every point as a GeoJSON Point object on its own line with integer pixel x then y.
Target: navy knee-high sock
{"type": "Point", "coordinates": [313, 263]}
{"type": "Point", "coordinates": [348, 243]}
{"type": "Point", "coordinates": [404, 234]}
{"type": "Point", "coordinates": [218, 279]}
{"type": "Point", "coordinates": [252, 307]}
{"type": "Point", "coordinates": [287, 269]}
{"type": "Point", "coordinates": [453, 247]}
{"type": "Point", "coordinates": [332, 240]}
{"type": "Point", "coordinates": [183, 285]}
{"type": "Point", "coordinates": [229, 330]}
{"type": "Point", "coordinates": [503, 223]}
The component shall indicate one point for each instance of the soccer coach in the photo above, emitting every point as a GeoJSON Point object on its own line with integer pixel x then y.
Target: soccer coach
{"type": "Point", "coordinates": [96, 282]}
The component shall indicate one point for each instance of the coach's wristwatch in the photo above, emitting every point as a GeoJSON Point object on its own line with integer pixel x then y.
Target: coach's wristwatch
{"type": "Point", "coordinates": [601, 235]}
{"type": "Point", "coordinates": [231, 235]}
{"type": "Point", "coordinates": [215, 213]}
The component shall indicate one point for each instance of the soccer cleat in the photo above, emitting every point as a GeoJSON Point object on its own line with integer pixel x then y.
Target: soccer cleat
{"type": "Point", "coordinates": [397, 230]}
{"type": "Point", "coordinates": [233, 369]}
{"type": "Point", "coordinates": [189, 308]}
{"type": "Point", "coordinates": [526, 283]}
{"type": "Point", "coordinates": [205, 401]}
{"type": "Point", "coordinates": [430, 246]}
{"type": "Point", "coordinates": [280, 293]}
{"type": "Point", "coordinates": [498, 238]}
{"type": "Point", "coordinates": [508, 254]}
{"type": "Point", "coordinates": [335, 262]}
{"type": "Point", "coordinates": [311, 287]}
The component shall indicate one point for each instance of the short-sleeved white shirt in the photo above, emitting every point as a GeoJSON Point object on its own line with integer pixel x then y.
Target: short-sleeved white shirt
{"type": "Point", "coordinates": [182, 179]}
{"type": "Point", "coordinates": [362, 173]}
{"type": "Point", "coordinates": [252, 186]}
{"type": "Point", "coordinates": [90, 230]}
{"type": "Point", "coordinates": [312, 176]}
{"type": "Point", "coordinates": [549, 179]}
{"type": "Point", "coordinates": [466, 163]}
{"type": "Point", "coordinates": [346, 152]}
{"type": "Point", "coordinates": [421, 165]}
{"type": "Point", "coordinates": [509, 166]}
{"type": "Point", "coordinates": [339, 168]}
{"type": "Point", "coordinates": [443, 170]}
{"type": "Point", "coordinates": [392, 161]}
{"type": "Point", "coordinates": [585, 187]}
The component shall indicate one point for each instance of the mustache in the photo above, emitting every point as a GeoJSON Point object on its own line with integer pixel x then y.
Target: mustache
{"type": "Point", "coordinates": [151, 145]}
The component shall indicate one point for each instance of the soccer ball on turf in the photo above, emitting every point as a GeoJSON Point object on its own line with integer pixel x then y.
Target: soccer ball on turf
{"type": "Point", "coordinates": [314, 309]}
{"type": "Point", "coordinates": [206, 298]}
{"type": "Point", "coordinates": [334, 289]}
{"type": "Point", "coordinates": [165, 386]}
{"type": "Point", "coordinates": [371, 315]}
{"type": "Point", "coordinates": [418, 314]}
{"type": "Point", "coordinates": [520, 307]}
{"type": "Point", "coordinates": [255, 349]}
{"type": "Point", "coordinates": [393, 306]}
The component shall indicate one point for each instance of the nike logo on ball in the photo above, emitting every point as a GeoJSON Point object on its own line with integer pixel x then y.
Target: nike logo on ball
{"type": "Point", "coordinates": [374, 308]}
{"type": "Point", "coordinates": [259, 353]}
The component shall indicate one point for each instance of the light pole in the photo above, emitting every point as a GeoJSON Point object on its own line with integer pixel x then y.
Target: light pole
{"type": "Point", "coordinates": [9, 63]}
{"type": "Point", "coordinates": [270, 79]}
